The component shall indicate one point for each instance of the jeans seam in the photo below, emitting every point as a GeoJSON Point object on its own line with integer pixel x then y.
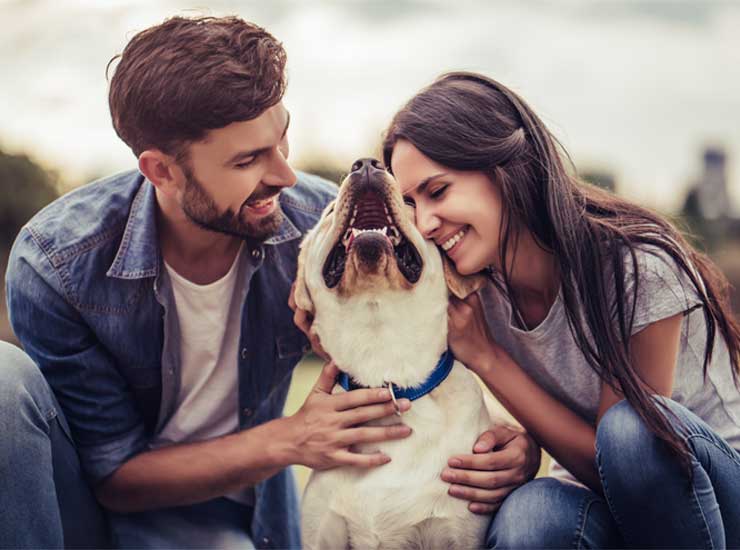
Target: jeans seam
{"type": "Point", "coordinates": [608, 499]}
{"type": "Point", "coordinates": [704, 527]}
{"type": "Point", "coordinates": [723, 450]}
{"type": "Point", "coordinates": [583, 517]}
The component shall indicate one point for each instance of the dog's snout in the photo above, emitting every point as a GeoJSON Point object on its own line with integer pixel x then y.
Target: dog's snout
{"type": "Point", "coordinates": [370, 164]}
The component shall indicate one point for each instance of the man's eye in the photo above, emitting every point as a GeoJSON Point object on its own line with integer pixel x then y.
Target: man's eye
{"type": "Point", "coordinates": [246, 163]}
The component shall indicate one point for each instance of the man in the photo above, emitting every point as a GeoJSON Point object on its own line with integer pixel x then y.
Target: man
{"type": "Point", "coordinates": [155, 303]}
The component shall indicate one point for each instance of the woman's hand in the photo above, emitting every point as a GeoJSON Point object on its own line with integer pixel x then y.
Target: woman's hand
{"type": "Point", "coordinates": [468, 335]}
{"type": "Point", "coordinates": [504, 458]}
{"type": "Point", "coordinates": [303, 320]}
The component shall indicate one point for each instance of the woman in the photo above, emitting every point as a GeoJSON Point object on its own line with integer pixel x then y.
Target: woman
{"type": "Point", "coordinates": [602, 331]}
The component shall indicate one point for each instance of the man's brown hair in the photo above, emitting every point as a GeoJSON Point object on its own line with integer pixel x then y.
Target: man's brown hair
{"type": "Point", "coordinates": [177, 80]}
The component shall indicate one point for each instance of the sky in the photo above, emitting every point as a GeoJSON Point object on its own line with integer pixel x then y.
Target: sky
{"type": "Point", "coordinates": [633, 87]}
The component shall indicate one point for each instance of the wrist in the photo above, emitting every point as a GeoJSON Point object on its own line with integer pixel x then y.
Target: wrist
{"type": "Point", "coordinates": [487, 360]}
{"type": "Point", "coordinates": [280, 445]}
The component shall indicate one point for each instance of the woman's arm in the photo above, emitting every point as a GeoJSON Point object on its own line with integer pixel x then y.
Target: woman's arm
{"type": "Point", "coordinates": [564, 434]}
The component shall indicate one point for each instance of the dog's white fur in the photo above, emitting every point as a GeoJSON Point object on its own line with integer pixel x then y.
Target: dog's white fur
{"type": "Point", "coordinates": [378, 332]}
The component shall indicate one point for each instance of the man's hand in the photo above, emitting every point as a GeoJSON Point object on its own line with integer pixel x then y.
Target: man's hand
{"type": "Point", "coordinates": [504, 458]}
{"type": "Point", "coordinates": [303, 320]}
{"type": "Point", "coordinates": [326, 426]}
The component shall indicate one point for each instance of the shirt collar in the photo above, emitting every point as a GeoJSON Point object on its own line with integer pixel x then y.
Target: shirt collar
{"type": "Point", "coordinates": [138, 253]}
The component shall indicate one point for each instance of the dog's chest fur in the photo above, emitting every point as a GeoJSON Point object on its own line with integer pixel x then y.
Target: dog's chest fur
{"type": "Point", "coordinates": [405, 501]}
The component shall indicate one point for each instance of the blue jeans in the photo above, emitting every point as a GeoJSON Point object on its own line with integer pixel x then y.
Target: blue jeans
{"type": "Point", "coordinates": [648, 500]}
{"type": "Point", "coordinates": [45, 501]}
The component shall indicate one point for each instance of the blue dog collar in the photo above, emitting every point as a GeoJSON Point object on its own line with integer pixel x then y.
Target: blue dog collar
{"type": "Point", "coordinates": [440, 372]}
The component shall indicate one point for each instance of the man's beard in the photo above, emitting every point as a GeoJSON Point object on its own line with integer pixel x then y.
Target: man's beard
{"type": "Point", "coordinates": [200, 208]}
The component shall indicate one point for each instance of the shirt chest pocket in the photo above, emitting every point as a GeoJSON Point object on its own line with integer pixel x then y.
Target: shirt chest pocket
{"type": "Point", "coordinates": [290, 347]}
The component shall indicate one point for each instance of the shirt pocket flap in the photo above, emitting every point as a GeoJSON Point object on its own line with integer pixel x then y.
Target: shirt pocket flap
{"type": "Point", "coordinates": [292, 345]}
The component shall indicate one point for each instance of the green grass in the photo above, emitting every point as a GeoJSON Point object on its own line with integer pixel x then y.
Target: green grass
{"type": "Point", "coordinates": [304, 377]}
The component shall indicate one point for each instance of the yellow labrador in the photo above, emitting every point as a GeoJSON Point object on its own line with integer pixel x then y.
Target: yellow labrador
{"type": "Point", "coordinates": [378, 292]}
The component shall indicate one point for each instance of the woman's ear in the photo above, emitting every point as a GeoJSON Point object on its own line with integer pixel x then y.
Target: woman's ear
{"type": "Point", "coordinates": [461, 286]}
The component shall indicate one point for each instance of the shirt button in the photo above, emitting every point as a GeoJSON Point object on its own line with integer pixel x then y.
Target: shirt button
{"type": "Point", "coordinates": [244, 353]}
{"type": "Point", "coordinates": [246, 411]}
{"type": "Point", "coordinates": [256, 253]}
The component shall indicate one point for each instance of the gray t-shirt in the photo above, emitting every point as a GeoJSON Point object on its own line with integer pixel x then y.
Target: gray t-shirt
{"type": "Point", "coordinates": [550, 355]}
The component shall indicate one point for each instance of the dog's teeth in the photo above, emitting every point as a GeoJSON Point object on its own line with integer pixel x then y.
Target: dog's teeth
{"type": "Point", "coordinates": [395, 235]}
{"type": "Point", "coordinates": [356, 232]}
{"type": "Point", "coordinates": [384, 231]}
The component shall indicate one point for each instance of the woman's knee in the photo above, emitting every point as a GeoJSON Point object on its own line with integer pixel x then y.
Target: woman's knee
{"type": "Point", "coordinates": [540, 514]}
{"type": "Point", "coordinates": [623, 440]}
{"type": "Point", "coordinates": [621, 430]}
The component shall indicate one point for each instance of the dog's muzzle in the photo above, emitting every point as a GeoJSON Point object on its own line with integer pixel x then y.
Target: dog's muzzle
{"type": "Point", "coordinates": [370, 230]}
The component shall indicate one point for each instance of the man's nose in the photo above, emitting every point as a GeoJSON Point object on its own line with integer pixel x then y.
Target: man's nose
{"type": "Point", "coordinates": [281, 173]}
{"type": "Point", "coordinates": [369, 164]}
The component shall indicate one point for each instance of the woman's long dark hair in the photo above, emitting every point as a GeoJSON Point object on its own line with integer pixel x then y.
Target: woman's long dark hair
{"type": "Point", "coordinates": [469, 122]}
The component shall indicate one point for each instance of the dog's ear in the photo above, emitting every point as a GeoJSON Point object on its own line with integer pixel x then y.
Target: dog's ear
{"type": "Point", "coordinates": [461, 286]}
{"type": "Point", "coordinates": [301, 295]}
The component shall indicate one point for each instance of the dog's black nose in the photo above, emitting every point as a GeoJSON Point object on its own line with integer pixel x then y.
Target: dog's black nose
{"type": "Point", "coordinates": [367, 163]}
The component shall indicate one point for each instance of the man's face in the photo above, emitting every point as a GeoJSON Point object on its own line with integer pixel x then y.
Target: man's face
{"type": "Point", "coordinates": [233, 176]}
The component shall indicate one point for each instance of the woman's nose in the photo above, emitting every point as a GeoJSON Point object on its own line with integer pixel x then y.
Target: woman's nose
{"type": "Point", "coordinates": [427, 222]}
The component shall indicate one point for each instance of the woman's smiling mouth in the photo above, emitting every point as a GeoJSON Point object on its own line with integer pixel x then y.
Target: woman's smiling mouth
{"type": "Point", "coordinates": [450, 243]}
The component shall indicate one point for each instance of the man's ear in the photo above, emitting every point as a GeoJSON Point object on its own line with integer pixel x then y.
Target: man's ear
{"type": "Point", "coordinates": [461, 286]}
{"type": "Point", "coordinates": [302, 296]}
{"type": "Point", "coordinates": [160, 169]}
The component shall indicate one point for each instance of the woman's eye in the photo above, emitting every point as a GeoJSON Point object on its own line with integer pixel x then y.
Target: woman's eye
{"type": "Point", "coordinates": [438, 192]}
{"type": "Point", "coordinates": [409, 202]}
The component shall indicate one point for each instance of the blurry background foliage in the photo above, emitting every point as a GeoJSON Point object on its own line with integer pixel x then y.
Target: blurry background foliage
{"type": "Point", "coordinates": [25, 188]}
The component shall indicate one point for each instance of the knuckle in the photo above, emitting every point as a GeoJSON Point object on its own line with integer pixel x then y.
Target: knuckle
{"type": "Point", "coordinates": [490, 482]}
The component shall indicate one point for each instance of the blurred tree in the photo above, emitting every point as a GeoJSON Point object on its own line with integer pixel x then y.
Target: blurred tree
{"type": "Point", "coordinates": [25, 188]}
{"type": "Point", "coordinates": [601, 178]}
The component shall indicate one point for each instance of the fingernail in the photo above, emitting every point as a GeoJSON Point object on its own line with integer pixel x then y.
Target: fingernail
{"type": "Point", "coordinates": [384, 394]}
{"type": "Point", "coordinates": [448, 475]}
{"type": "Point", "coordinates": [455, 490]}
{"type": "Point", "coordinates": [455, 462]}
{"type": "Point", "coordinates": [402, 429]}
{"type": "Point", "coordinates": [477, 508]}
{"type": "Point", "coordinates": [404, 404]}
{"type": "Point", "coordinates": [480, 447]}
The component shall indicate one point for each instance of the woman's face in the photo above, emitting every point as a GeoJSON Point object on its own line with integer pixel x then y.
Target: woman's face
{"type": "Point", "coordinates": [460, 211]}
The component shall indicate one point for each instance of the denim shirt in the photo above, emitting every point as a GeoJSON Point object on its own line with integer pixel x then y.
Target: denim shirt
{"type": "Point", "coordinates": [91, 304]}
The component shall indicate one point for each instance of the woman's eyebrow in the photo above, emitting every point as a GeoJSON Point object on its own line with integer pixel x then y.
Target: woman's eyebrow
{"type": "Point", "coordinates": [422, 185]}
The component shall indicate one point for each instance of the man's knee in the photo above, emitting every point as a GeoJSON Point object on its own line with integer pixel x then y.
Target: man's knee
{"type": "Point", "coordinates": [539, 514]}
{"type": "Point", "coordinates": [21, 381]}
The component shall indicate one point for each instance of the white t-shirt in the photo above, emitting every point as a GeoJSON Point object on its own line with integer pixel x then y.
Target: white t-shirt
{"type": "Point", "coordinates": [550, 355]}
{"type": "Point", "coordinates": [208, 400]}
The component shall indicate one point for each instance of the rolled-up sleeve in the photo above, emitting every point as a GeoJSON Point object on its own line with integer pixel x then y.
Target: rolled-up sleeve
{"type": "Point", "coordinates": [104, 421]}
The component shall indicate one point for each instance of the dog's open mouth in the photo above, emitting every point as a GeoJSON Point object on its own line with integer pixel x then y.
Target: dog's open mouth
{"type": "Point", "coordinates": [370, 214]}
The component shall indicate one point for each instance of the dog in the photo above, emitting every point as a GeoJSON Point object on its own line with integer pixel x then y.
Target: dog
{"type": "Point", "coordinates": [378, 292]}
